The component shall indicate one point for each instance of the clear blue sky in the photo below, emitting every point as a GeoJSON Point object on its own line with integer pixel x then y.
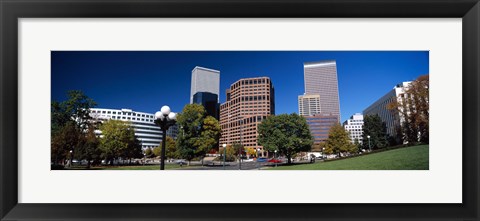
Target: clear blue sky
{"type": "Point", "coordinates": [146, 80]}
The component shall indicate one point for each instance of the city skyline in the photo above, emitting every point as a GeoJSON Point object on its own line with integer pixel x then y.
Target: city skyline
{"type": "Point", "coordinates": [145, 81]}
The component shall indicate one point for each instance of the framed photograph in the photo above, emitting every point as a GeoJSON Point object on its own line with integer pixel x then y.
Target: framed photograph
{"type": "Point", "coordinates": [239, 110]}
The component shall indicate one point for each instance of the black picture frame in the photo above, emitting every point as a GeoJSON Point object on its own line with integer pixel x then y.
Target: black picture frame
{"type": "Point", "coordinates": [12, 10]}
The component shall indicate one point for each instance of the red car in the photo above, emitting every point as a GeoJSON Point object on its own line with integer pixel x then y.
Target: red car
{"type": "Point", "coordinates": [273, 160]}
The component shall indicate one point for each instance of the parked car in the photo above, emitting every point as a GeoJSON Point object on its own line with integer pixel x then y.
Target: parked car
{"type": "Point", "coordinates": [262, 159]}
{"type": "Point", "coordinates": [181, 162]}
{"type": "Point", "coordinates": [273, 160]}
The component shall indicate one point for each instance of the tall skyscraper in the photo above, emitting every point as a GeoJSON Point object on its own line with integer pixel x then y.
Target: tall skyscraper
{"type": "Point", "coordinates": [320, 104]}
{"type": "Point", "coordinates": [321, 79]}
{"type": "Point", "coordinates": [249, 101]}
{"type": "Point", "coordinates": [209, 101]}
{"type": "Point", "coordinates": [205, 80]}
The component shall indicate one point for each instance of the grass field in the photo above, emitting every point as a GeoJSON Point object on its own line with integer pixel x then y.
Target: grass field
{"type": "Point", "coordinates": [408, 158]}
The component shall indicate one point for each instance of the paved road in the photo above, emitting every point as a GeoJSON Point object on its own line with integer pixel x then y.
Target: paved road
{"type": "Point", "coordinates": [233, 166]}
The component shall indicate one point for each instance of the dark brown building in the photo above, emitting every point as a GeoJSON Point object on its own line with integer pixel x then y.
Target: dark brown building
{"type": "Point", "coordinates": [320, 125]}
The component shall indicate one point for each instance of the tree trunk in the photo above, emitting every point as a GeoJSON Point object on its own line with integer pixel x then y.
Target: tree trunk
{"type": "Point", "coordinates": [88, 164]}
{"type": "Point", "coordinates": [289, 159]}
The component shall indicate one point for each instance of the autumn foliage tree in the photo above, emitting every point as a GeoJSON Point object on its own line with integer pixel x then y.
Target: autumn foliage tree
{"type": "Point", "coordinates": [413, 109]}
{"type": "Point", "coordinates": [171, 149]}
{"type": "Point", "coordinates": [338, 141]}
{"type": "Point", "coordinates": [230, 153]}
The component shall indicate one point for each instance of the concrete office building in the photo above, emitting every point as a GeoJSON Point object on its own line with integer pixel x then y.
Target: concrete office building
{"type": "Point", "coordinates": [321, 79]}
{"type": "Point", "coordinates": [309, 104]}
{"type": "Point", "coordinates": [209, 101]}
{"type": "Point", "coordinates": [249, 101]}
{"type": "Point", "coordinates": [354, 126]}
{"type": "Point", "coordinates": [391, 118]}
{"type": "Point", "coordinates": [205, 80]}
{"type": "Point", "coordinates": [146, 131]}
{"type": "Point", "coordinates": [320, 125]}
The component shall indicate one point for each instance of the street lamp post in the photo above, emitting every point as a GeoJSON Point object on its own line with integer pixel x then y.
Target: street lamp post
{"type": "Point", "coordinates": [144, 158]}
{"type": "Point", "coordinates": [369, 147]}
{"type": "Point", "coordinates": [71, 158]}
{"type": "Point", "coordinates": [258, 153]}
{"type": "Point", "coordinates": [224, 154]}
{"type": "Point", "coordinates": [275, 158]}
{"type": "Point", "coordinates": [323, 153]}
{"type": "Point", "coordinates": [164, 119]}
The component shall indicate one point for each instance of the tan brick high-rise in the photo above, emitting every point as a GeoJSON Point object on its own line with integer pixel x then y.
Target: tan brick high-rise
{"type": "Point", "coordinates": [249, 101]}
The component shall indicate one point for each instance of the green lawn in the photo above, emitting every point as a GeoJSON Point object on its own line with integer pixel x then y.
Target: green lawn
{"type": "Point", "coordinates": [408, 158]}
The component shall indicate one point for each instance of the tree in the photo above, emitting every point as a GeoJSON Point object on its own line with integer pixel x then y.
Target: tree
{"type": "Point", "coordinates": [209, 137]}
{"type": "Point", "coordinates": [286, 133]}
{"type": "Point", "coordinates": [88, 149]}
{"type": "Point", "coordinates": [149, 152]}
{"type": "Point", "coordinates": [230, 153]}
{"type": "Point", "coordinates": [357, 144]}
{"type": "Point", "coordinates": [134, 149]}
{"type": "Point", "coordinates": [171, 149]}
{"type": "Point", "coordinates": [338, 141]}
{"type": "Point", "coordinates": [238, 148]}
{"type": "Point", "coordinates": [118, 138]}
{"type": "Point", "coordinates": [74, 112]}
{"type": "Point", "coordinates": [199, 133]}
{"type": "Point", "coordinates": [78, 108]}
{"type": "Point", "coordinates": [377, 130]}
{"type": "Point", "coordinates": [66, 138]}
{"type": "Point", "coordinates": [250, 151]}
{"type": "Point", "coordinates": [413, 109]}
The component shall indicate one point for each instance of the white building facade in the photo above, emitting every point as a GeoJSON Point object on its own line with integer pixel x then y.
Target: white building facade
{"type": "Point", "coordinates": [146, 131]}
{"type": "Point", "coordinates": [392, 119]}
{"type": "Point", "coordinates": [205, 80]}
{"type": "Point", "coordinates": [354, 126]}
